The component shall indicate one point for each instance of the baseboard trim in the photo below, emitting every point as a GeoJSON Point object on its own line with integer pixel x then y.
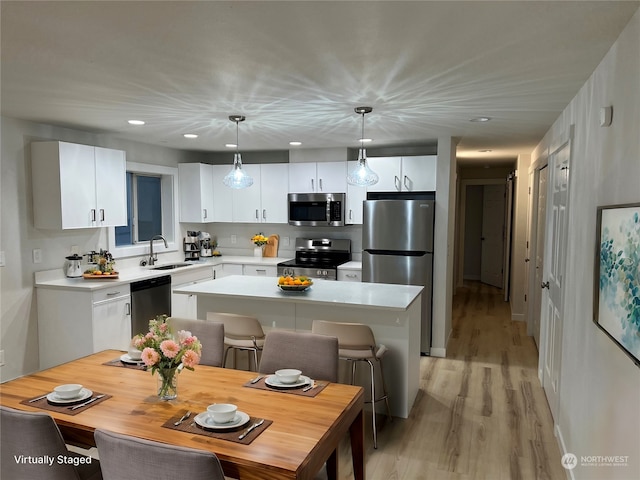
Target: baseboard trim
{"type": "Point", "coordinates": [438, 352]}
{"type": "Point", "coordinates": [563, 450]}
{"type": "Point", "coordinates": [517, 317]}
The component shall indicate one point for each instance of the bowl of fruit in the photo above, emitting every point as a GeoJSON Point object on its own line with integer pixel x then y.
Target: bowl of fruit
{"type": "Point", "coordinates": [294, 284]}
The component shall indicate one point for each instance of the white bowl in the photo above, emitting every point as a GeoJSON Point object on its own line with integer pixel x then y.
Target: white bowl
{"type": "Point", "coordinates": [288, 375]}
{"type": "Point", "coordinates": [68, 390]}
{"type": "Point", "coordinates": [135, 354]}
{"type": "Point", "coordinates": [222, 412]}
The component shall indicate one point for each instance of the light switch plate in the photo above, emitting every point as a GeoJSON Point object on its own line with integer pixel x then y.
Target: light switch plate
{"type": "Point", "coordinates": [2, 260]}
{"type": "Point", "coordinates": [234, 239]}
{"type": "Point", "coordinates": [37, 255]}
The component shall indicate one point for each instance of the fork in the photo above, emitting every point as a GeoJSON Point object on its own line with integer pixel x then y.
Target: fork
{"type": "Point", "coordinates": [183, 418]}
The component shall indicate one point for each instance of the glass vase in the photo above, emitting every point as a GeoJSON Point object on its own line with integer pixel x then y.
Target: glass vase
{"type": "Point", "coordinates": [168, 383]}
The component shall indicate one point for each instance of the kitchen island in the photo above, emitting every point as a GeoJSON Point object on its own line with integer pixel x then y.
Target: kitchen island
{"type": "Point", "coordinates": [392, 312]}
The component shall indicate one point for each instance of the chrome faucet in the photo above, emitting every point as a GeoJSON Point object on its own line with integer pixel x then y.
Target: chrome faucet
{"type": "Point", "coordinates": [154, 256]}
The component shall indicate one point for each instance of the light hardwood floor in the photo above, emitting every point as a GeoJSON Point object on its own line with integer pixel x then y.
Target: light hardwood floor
{"type": "Point", "coordinates": [481, 412]}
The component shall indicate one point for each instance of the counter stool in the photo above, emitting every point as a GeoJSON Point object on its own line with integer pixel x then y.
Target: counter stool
{"type": "Point", "coordinates": [357, 344]}
{"type": "Point", "coordinates": [241, 332]}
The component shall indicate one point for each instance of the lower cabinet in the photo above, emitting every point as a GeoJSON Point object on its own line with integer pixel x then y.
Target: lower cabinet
{"type": "Point", "coordinates": [260, 270]}
{"type": "Point", "coordinates": [73, 324]}
{"type": "Point", "coordinates": [186, 306]}
{"type": "Point", "coordinates": [345, 275]}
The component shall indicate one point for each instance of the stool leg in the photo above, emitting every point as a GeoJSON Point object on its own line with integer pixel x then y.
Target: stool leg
{"type": "Point", "coordinates": [353, 371]}
{"type": "Point", "coordinates": [255, 359]}
{"type": "Point", "coordinates": [373, 403]}
{"type": "Point", "coordinates": [226, 356]}
{"type": "Point", "coordinates": [384, 390]}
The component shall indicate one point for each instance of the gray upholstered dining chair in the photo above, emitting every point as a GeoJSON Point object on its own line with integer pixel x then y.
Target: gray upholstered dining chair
{"type": "Point", "coordinates": [123, 456]}
{"type": "Point", "coordinates": [315, 355]}
{"type": "Point", "coordinates": [241, 332]}
{"type": "Point", "coordinates": [35, 434]}
{"type": "Point", "coordinates": [210, 334]}
{"type": "Point", "coordinates": [358, 344]}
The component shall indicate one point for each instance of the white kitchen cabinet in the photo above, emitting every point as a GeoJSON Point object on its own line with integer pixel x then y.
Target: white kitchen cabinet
{"type": "Point", "coordinates": [73, 324]}
{"type": "Point", "coordinates": [348, 275]}
{"type": "Point", "coordinates": [232, 269]}
{"type": "Point", "coordinates": [196, 192]}
{"type": "Point", "coordinates": [318, 177]}
{"type": "Point", "coordinates": [404, 174]}
{"type": "Point", "coordinates": [260, 270]}
{"type": "Point", "coordinates": [186, 306]}
{"type": "Point", "coordinates": [218, 271]}
{"type": "Point", "coordinates": [274, 181]}
{"type": "Point", "coordinates": [222, 195]}
{"type": "Point", "coordinates": [246, 201]}
{"type": "Point", "coordinates": [78, 186]}
{"type": "Point", "coordinates": [355, 196]}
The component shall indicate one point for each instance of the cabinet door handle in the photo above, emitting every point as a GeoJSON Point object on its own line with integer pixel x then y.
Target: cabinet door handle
{"type": "Point", "coordinates": [350, 214]}
{"type": "Point", "coordinates": [204, 213]}
{"type": "Point", "coordinates": [128, 310]}
{"type": "Point", "coordinates": [264, 213]}
{"type": "Point", "coordinates": [405, 183]}
{"type": "Point", "coordinates": [396, 182]}
{"type": "Point", "coordinates": [257, 214]}
{"type": "Point", "coordinates": [112, 294]}
{"type": "Point", "coordinates": [351, 275]}
{"type": "Point", "coordinates": [320, 184]}
{"type": "Point", "coordinates": [312, 187]}
{"type": "Point", "coordinates": [261, 271]}
{"type": "Point", "coordinates": [102, 214]}
{"type": "Point", "coordinates": [93, 214]}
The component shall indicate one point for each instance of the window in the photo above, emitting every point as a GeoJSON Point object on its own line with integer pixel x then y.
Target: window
{"type": "Point", "coordinates": [151, 210]}
{"type": "Point", "coordinates": [144, 210]}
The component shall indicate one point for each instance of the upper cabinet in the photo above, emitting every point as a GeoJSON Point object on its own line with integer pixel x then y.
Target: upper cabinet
{"type": "Point", "coordinates": [320, 177]}
{"type": "Point", "coordinates": [355, 196]}
{"type": "Point", "coordinates": [404, 174]}
{"type": "Point", "coordinates": [266, 200]}
{"type": "Point", "coordinates": [78, 186]}
{"type": "Point", "coordinates": [222, 195]}
{"type": "Point", "coordinates": [196, 192]}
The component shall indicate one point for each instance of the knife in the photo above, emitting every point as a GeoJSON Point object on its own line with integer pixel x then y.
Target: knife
{"type": "Point", "coordinates": [38, 398]}
{"type": "Point", "coordinates": [251, 428]}
{"type": "Point", "coordinates": [84, 404]}
{"type": "Point", "coordinates": [257, 379]}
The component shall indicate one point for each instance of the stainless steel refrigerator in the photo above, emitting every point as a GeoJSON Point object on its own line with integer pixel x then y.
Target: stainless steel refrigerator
{"type": "Point", "coordinates": [397, 244]}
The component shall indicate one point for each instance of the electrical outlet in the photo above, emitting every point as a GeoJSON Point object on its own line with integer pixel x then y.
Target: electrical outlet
{"type": "Point", "coordinates": [1, 358]}
{"type": "Point", "coordinates": [285, 241]}
{"type": "Point", "coordinates": [74, 250]}
{"type": "Point", "coordinates": [37, 255]}
{"type": "Point", "coordinates": [234, 239]}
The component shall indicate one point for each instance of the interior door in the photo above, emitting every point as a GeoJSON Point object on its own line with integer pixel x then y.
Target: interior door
{"type": "Point", "coordinates": [552, 297]}
{"type": "Point", "coordinates": [543, 174]}
{"type": "Point", "coordinates": [493, 203]}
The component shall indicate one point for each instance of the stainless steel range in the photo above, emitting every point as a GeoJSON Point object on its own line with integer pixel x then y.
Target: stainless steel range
{"type": "Point", "coordinates": [317, 258]}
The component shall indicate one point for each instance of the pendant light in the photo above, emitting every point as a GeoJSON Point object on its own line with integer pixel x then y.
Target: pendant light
{"type": "Point", "coordinates": [237, 178]}
{"type": "Point", "coordinates": [362, 175]}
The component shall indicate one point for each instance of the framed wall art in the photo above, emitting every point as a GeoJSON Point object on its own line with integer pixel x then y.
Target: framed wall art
{"type": "Point", "coordinates": [617, 276]}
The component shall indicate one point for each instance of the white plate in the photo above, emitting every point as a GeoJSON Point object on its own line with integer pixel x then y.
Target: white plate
{"type": "Point", "coordinates": [206, 421]}
{"type": "Point", "coordinates": [55, 399]}
{"type": "Point", "coordinates": [127, 359]}
{"type": "Point", "coordinates": [273, 381]}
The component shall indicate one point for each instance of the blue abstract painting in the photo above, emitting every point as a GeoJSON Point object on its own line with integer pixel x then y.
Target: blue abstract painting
{"type": "Point", "coordinates": [619, 276]}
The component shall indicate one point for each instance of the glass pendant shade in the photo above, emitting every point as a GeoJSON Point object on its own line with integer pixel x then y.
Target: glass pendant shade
{"type": "Point", "coordinates": [237, 178]}
{"type": "Point", "coordinates": [362, 175]}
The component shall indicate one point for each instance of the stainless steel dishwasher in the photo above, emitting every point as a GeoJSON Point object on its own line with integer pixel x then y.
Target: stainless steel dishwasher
{"type": "Point", "coordinates": [149, 298]}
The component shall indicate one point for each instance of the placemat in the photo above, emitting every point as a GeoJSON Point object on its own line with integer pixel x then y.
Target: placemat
{"type": "Point", "coordinates": [116, 362]}
{"type": "Point", "coordinates": [44, 404]}
{"type": "Point", "coordinates": [261, 385]}
{"type": "Point", "coordinates": [189, 426]}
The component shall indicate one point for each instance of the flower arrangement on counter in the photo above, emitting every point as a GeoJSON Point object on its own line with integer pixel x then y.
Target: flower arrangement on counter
{"type": "Point", "coordinates": [167, 354]}
{"type": "Point", "coordinates": [259, 240]}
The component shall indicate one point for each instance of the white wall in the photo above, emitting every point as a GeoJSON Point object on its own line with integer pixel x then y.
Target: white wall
{"type": "Point", "coordinates": [18, 329]}
{"type": "Point", "coordinates": [599, 410]}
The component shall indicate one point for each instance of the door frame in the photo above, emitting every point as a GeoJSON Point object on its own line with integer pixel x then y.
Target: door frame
{"type": "Point", "coordinates": [462, 217]}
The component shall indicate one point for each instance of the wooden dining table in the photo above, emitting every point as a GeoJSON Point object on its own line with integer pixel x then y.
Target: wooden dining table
{"type": "Point", "coordinates": [304, 434]}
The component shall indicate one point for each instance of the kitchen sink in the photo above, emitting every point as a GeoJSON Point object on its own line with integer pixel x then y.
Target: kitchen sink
{"type": "Point", "coordinates": [172, 266]}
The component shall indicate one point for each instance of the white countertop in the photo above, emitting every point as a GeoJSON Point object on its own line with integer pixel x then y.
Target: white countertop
{"type": "Point", "coordinates": [352, 265]}
{"type": "Point", "coordinates": [371, 295]}
{"type": "Point", "coordinates": [56, 278]}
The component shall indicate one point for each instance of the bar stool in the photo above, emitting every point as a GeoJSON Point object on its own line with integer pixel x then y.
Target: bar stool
{"type": "Point", "coordinates": [357, 343]}
{"type": "Point", "coordinates": [241, 332]}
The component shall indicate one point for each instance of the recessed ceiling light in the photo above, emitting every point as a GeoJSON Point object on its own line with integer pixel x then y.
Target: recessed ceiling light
{"type": "Point", "coordinates": [480, 119]}
{"type": "Point", "coordinates": [135, 122]}
{"type": "Point", "coordinates": [365, 140]}
{"type": "Point", "coordinates": [230, 145]}
{"type": "Point", "coordinates": [190, 135]}
{"type": "Point", "coordinates": [295, 144]}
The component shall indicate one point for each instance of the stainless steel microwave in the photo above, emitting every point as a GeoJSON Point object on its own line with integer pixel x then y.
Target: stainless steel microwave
{"type": "Point", "coordinates": [316, 209]}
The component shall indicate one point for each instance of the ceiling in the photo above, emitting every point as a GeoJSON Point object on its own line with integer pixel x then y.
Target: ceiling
{"type": "Point", "coordinates": [297, 69]}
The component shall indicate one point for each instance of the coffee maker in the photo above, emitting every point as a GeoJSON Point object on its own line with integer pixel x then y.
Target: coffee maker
{"type": "Point", "coordinates": [191, 246]}
{"type": "Point", "coordinates": [206, 245]}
